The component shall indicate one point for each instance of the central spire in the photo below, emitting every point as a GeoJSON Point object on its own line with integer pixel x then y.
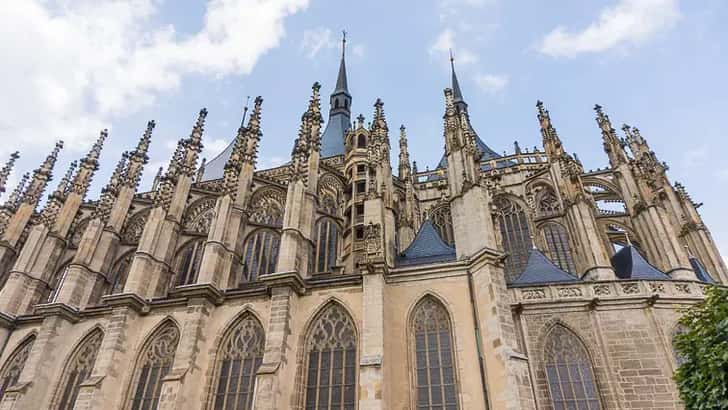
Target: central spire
{"type": "Point", "coordinates": [332, 140]}
{"type": "Point", "coordinates": [457, 94]}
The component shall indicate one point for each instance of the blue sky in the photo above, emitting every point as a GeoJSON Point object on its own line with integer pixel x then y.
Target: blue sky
{"type": "Point", "coordinates": [73, 67]}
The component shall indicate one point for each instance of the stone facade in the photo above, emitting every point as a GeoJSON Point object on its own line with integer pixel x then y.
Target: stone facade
{"type": "Point", "coordinates": [489, 282]}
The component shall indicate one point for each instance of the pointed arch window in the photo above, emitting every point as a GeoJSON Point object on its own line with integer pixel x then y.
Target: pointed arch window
{"type": "Point", "coordinates": [14, 365]}
{"type": "Point", "coordinates": [260, 254]}
{"type": "Point", "coordinates": [442, 220]}
{"type": "Point", "coordinates": [188, 262]}
{"type": "Point", "coordinates": [557, 241]}
{"type": "Point", "coordinates": [326, 234]}
{"type": "Point", "coordinates": [78, 369]}
{"type": "Point", "coordinates": [548, 203]}
{"type": "Point", "coordinates": [515, 235]}
{"type": "Point", "coordinates": [433, 356]}
{"type": "Point", "coordinates": [153, 365]}
{"type": "Point", "coordinates": [569, 372]}
{"type": "Point", "coordinates": [241, 354]}
{"type": "Point", "coordinates": [332, 361]}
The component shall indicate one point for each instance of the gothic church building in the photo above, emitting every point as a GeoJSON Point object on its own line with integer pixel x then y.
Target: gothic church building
{"type": "Point", "coordinates": [489, 282]}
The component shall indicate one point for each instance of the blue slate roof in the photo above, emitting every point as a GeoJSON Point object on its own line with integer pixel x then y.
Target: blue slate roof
{"type": "Point", "coordinates": [540, 270]}
{"type": "Point", "coordinates": [427, 247]}
{"type": "Point", "coordinates": [700, 270]}
{"type": "Point", "coordinates": [332, 140]}
{"type": "Point", "coordinates": [628, 263]}
{"type": "Point", "coordinates": [487, 155]}
{"type": "Point", "coordinates": [215, 167]}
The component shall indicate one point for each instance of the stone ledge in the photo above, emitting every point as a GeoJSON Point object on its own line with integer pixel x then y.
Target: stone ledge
{"type": "Point", "coordinates": [290, 279]}
{"type": "Point", "coordinates": [371, 360]}
{"type": "Point", "coordinates": [199, 290]}
{"type": "Point", "coordinates": [58, 309]}
{"type": "Point", "coordinates": [7, 321]}
{"type": "Point", "coordinates": [130, 300]}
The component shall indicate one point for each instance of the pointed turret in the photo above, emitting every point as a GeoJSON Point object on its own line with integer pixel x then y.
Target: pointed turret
{"type": "Point", "coordinates": [5, 171]}
{"type": "Point", "coordinates": [55, 200]}
{"type": "Point", "coordinates": [111, 190]}
{"type": "Point", "coordinates": [14, 199]}
{"type": "Point", "coordinates": [245, 149]}
{"type": "Point", "coordinates": [405, 170]}
{"type": "Point", "coordinates": [88, 166]}
{"type": "Point", "coordinates": [551, 141]}
{"type": "Point", "coordinates": [613, 146]}
{"type": "Point", "coordinates": [332, 140]}
{"type": "Point", "coordinates": [41, 176]}
{"type": "Point", "coordinates": [138, 158]}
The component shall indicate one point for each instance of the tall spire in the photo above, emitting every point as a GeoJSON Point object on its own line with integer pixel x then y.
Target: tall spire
{"type": "Point", "coordinates": [138, 158]}
{"type": "Point", "coordinates": [5, 171]}
{"type": "Point", "coordinates": [457, 94]}
{"type": "Point", "coordinates": [551, 141]}
{"type": "Point", "coordinates": [332, 139]}
{"type": "Point", "coordinates": [341, 83]}
{"type": "Point", "coordinates": [89, 164]}
{"type": "Point", "coordinates": [613, 146]}
{"type": "Point", "coordinates": [405, 171]}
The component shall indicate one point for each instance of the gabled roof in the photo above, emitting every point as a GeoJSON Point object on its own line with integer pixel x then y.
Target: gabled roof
{"type": "Point", "coordinates": [628, 263]}
{"type": "Point", "coordinates": [427, 247]}
{"type": "Point", "coordinates": [540, 270]}
{"type": "Point", "coordinates": [700, 270]}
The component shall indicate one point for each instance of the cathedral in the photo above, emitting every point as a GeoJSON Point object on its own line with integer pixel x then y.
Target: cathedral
{"type": "Point", "coordinates": [513, 281]}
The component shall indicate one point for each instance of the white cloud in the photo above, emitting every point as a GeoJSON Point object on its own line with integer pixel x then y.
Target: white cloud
{"type": "Point", "coordinates": [213, 147]}
{"type": "Point", "coordinates": [316, 39]}
{"type": "Point", "coordinates": [69, 68]}
{"type": "Point", "coordinates": [445, 42]}
{"type": "Point", "coordinates": [491, 83]}
{"type": "Point", "coordinates": [627, 22]}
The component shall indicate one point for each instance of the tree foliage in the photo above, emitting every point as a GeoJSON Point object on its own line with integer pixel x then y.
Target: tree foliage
{"type": "Point", "coordinates": [702, 350]}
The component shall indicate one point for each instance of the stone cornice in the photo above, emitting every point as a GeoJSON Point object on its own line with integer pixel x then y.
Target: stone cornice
{"type": "Point", "coordinates": [58, 309]}
{"type": "Point", "coordinates": [290, 279]}
{"type": "Point", "coordinates": [198, 290]}
{"type": "Point", "coordinates": [605, 293]}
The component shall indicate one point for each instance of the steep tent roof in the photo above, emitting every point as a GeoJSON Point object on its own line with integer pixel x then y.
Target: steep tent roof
{"type": "Point", "coordinates": [628, 263]}
{"type": "Point", "coordinates": [540, 270]}
{"type": "Point", "coordinates": [427, 247]}
{"type": "Point", "coordinates": [700, 270]}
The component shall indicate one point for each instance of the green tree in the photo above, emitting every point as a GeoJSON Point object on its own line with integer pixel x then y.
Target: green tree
{"type": "Point", "coordinates": [702, 348]}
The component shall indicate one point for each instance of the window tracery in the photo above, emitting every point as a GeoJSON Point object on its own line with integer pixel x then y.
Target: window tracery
{"type": "Point", "coordinates": [199, 216]}
{"type": "Point", "coordinates": [78, 369]}
{"type": "Point", "coordinates": [14, 365]}
{"type": "Point", "coordinates": [442, 221]}
{"type": "Point", "coordinates": [515, 235]}
{"type": "Point", "coordinates": [120, 273]}
{"type": "Point", "coordinates": [569, 372]}
{"type": "Point", "coordinates": [240, 357]}
{"type": "Point", "coordinates": [153, 365]}
{"type": "Point", "coordinates": [332, 361]}
{"type": "Point", "coordinates": [326, 235]}
{"type": "Point", "coordinates": [548, 203]}
{"type": "Point", "coordinates": [267, 211]}
{"type": "Point", "coordinates": [433, 350]}
{"type": "Point", "coordinates": [557, 241]}
{"type": "Point", "coordinates": [260, 254]}
{"type": "Point", "coordinates": [188, 262]}
{"type": "Point", "coordinates": [132, 231]}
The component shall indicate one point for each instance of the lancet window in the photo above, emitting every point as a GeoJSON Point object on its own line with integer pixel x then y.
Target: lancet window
{"type": "Point", "coordinates": [436, 387]}
{"type": "Point", "coordinates": [15, 364]}
{"type": "Point", "coordinates": [78, 369]}
{"type": "Point", "coordinates": [442, 221]}
{"type": "Point", "coordinates": [188, 262]}
{"type": "Point", "coordinates": [557, 241]}
{"type": "Point", "coordinates": [260, 254]}
{"type": "Point", "coordinates": [569, 372]}
{"type": "Point", "coordinates": [240, 356]}
{"type": "Point", "coordinates": [120, 273]}
{"type": "Point", "coordinates": [326, 235]}
{"type": "Point", "coordinates": [153, 365]}
{"type": "Point", "coordinates": [515, 235]}
{"type": "Point", "coordinates": [331, 356]}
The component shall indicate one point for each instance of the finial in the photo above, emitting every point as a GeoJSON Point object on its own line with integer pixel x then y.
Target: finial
{"type": "Point", "coordinates": [157, 178]}
{"type": "Point", "coordinates": [343, 43]}
{"type": "Point", "coordinates": [452, 59]}
{"type": "Point", "coordinates": [245, 111]}
{"type": "Point", "coordinates": [146, 139]}
{"type": "Point", "coordinates": [93, 155]}
{"type": "Point", "coordinates": [17, 194]}
{"type": "Point", "coordinates": [5, 171]}
{"type": "Point", "coordinates": [64, 185]}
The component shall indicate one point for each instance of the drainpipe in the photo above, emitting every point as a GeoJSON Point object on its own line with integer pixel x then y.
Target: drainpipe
{"type": "Point", "coordinates": [478, 341]}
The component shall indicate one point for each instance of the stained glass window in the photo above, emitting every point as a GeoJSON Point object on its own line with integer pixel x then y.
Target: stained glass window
{"type": "Point", "coordinates": [326, 236]}
{"type": "Point", "coordinates": [78, 369]}
{"type": "Point", "coordinates": [14, 365]}
{"type": "Point", "coordinates": [434, 365]}
{"type": "Point", "coordinates": [515, 235]}
{"type": "Point", "coordinates": [188, 262]}
{"type": "Point", "coordinates": [331, 355]}
{"type": "Point", "coordinates": [240, 357]}
{"type": "Point", "coordinates": [260, 254]}
{"type": "Point", "coordinates": [569, 372]}
{"type": "Point", "coordinates": [442, 220]}
{"type": "Point", "coordinates": [557, 240]}
{"type": "Point", "coordinates": [153, 365]}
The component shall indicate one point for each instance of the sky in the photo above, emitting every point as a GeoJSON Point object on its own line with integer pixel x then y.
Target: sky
{"type": "Point", "coordinates": [73, 67]}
